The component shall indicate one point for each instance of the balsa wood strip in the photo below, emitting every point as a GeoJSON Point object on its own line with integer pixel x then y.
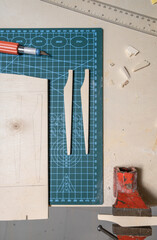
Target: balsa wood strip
{"type": "Point", "coordinates": [23, 147]}
{"type": "Point", "coordinates": [85, 108]}
{"type": "Point", "coordinates": [129, 221]}
{"type": "Point", "coordinates": [68, 91]}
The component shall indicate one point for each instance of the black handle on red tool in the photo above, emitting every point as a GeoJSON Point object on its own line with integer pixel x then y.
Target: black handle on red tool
{"type": "Point", "coordinates": [9, 47]}
{"type": "Point", "coordinates": [100, 228]}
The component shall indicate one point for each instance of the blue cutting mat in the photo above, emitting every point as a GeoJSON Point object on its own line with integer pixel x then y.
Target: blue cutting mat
{"type": "Point", "coordinates": [78, 178]}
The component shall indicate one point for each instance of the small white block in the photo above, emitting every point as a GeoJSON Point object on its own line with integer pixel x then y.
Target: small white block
{"type": "Point", "coordinates": [125, 72]}
{"type": "Point", "coordinates": [131, 51]}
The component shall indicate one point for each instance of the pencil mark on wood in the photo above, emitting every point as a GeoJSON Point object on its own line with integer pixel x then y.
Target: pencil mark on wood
{"type": "Point", "coordinates": [15, 127]}
{"type": "Point", "coordinates": [37, 134]}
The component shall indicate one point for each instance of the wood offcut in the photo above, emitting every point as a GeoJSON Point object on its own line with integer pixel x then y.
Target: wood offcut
{"type": "Point", "coordinates": [24, 147]}
{"type": "Point", "coordinates": [68, 93]}
{"type": "Point", "coordinates": [85, 108]}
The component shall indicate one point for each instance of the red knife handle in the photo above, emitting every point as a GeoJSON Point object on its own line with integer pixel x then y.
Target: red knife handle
{"type": "Point", "coordinates": [9, 47]}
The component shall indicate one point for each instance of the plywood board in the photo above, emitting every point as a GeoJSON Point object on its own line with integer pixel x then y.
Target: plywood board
{"type": "Point", "coordinates": [23, 148]}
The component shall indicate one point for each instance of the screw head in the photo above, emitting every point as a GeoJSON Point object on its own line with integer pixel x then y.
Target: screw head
{"type": "Point", "coordinates": [99, 228]}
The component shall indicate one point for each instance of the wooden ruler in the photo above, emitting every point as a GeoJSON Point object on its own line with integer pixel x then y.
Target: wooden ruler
{"type": "Point", "coordinates": [110, 13]}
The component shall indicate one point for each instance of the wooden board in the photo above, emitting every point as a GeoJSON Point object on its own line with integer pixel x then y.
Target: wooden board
{"type": "Point", "coordinates": [23, 148]}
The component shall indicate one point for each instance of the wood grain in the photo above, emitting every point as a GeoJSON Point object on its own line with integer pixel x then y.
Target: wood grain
{"type": "Point", "coordinates": [24, 146]}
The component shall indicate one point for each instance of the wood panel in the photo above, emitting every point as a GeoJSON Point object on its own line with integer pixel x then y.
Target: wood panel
{"type": "Point", "coordinates": [23, 148]}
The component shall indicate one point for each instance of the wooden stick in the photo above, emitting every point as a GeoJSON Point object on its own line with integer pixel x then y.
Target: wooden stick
{"type": "Point", "coordinates": [129, 221]}
{"type": "Point", "coordinates": [85, 108]}
{"type": "Point", "coordinates": [68, 90]}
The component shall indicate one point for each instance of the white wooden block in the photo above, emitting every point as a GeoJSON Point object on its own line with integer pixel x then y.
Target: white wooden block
{"type": "Point", "coordinates": [124, 71]}
{"type": "Point", "coordinates": [23, 148]}
{"type": "Point", "coordinates": [131, 51]}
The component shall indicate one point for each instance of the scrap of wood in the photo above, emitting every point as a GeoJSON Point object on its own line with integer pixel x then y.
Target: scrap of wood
{"type": "Point", "coordinates": [141, 65]}
{"type": "Point", "coordinates": [131, 51]}
{"type": "Point", "coordinates": [24, 147]}
{"type": "Point", "coordinates": [68, 92]}
{"type": "Point", "coordinates": [112, 64]}
{"type": "Point", "coordinates": [124, 71]}
{"type": "Point", "coordinates": [85, 108]}
{"type": "Point", "coordinates": [125, 83]}
{"type": "Point", "coordinates": [129, 221]}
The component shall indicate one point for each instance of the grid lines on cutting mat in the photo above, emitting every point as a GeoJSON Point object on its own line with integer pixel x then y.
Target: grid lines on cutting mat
{"type": "Point", "coordinates": [74, 179]}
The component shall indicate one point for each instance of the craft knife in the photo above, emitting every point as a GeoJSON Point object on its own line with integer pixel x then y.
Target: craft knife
{"type": "Point", "coordinates": [16, 48]}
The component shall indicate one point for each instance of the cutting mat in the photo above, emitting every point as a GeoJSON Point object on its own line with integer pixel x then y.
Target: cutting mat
{"type": "Point", "coordinates": [78, 178]}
